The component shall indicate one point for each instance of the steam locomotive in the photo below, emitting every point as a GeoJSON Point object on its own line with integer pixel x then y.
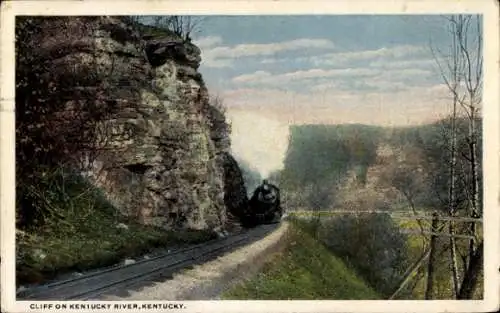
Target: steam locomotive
{"type": "Point", "coordinates": [264, 206]}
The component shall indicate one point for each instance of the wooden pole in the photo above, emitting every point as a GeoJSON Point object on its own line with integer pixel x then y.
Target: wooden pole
{"type": "Point", "coordinates": [429, 291]}
{"type": "Point", "coordinates": [408, 275]}
{"type": "Point", "coordinates": [472, 274]}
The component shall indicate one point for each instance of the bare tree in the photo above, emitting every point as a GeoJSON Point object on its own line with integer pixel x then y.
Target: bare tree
{"type": "Point", "coordinates": [405, 173]}
{"type": "Point", "coordinates": [461, 71]}
{"type": "Point", "coordinates": [182, 26]}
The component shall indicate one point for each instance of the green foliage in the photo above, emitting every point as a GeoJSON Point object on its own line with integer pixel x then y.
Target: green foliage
{"type": "Point", "coordinates": [414, 167]}
{"type": "Point", "coordinates": [316, 150]}
{"type": "Point", "coordinates": [62, 115]}
{"type": "Point", "coordinates": [305, 270]}
{"type": "Point", "coordinates": [63, 222]}
{"type": "Point", "coordinates": [58, 119]}
{"type": "Point", "coordinates": [372, 243]}
{"type": "Point", "coordinates": [59, 195]}
{"type": "Point", "coordinates": [416, 247]}
{"type": "Point", "coordinates": [319, 156]}
{"type": "Point", "coordinates": [433, 142]}
{"type": "Point", "coordinates": [80, 231]}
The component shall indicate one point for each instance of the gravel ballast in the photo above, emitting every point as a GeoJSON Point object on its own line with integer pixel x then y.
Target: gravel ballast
{"type": "Point", "coordinates": [207, 281]}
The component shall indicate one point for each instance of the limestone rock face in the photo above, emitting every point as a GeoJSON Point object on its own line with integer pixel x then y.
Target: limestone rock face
{"type": "Point", "coordinates": [162, 162]}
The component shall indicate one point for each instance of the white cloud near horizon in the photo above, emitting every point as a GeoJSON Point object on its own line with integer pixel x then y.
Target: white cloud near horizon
{"type": "Point", "coordinates": [415, 105]}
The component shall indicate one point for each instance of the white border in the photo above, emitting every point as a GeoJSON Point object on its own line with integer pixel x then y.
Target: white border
{"type": "Point", "coordinates": [490, 11]}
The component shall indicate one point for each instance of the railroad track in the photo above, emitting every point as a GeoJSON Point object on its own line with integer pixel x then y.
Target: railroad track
{"type": "Point", "coordinates": [91, 286]}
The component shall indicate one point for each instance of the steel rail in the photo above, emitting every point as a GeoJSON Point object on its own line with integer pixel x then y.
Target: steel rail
{"type": "Point", "coordinates": [92, 285]}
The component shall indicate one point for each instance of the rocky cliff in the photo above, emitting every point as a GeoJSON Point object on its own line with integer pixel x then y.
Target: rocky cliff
{"type": "Point", "coordinates": [165, 148]}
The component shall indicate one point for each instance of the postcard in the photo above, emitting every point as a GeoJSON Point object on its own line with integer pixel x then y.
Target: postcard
{"type": "Point", "coordinates": [250, 156]}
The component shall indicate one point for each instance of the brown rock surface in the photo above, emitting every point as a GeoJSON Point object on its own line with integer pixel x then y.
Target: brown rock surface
{"type": "Point", "coordinates": [162, 162]}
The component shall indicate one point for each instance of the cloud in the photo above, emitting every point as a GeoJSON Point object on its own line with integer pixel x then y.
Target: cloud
{"type": "Point", "coordinates": [412, 105]}
{"type": "Point", "coordinates": [354, 79]}
{"type": "Point", "coordinates": [342, 58]}
{"type": "Point", "coordinates": [217, 63]}
{"type": "Point", "coordinates": [270, 61]}
{"type": "Point", "coordinates": [254, 77]}
{"type": "Point", "coordinates": [387, 85]}
{"type": "Point", "coordinates": [404, 74]}
{"type": "Point", "coordinates": [215, 55]}
{"type": "Point", "coordinates": [383, 57]}
{"type": "Point", "coordinates": [396, 64]}
{"type": "Point", "coordinates": [357, 87]}
{"type": "Point", "coordinates": [264, 77]}
{"type": "Point", "coordinates": [326, 86]}
{"type": "Point", "coordinates": [245, 50]}
{"type": "Point", "coordinates": [208, 42]}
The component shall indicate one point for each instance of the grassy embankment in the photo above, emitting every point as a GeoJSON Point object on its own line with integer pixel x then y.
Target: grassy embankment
{"type": "Point", "coordinates": [81, 231]}
{"type": "Point", "coordinates": [305, 269]}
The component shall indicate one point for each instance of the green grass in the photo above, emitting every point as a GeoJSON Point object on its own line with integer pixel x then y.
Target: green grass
{"type": "Point", "coordinates": [305, 270]}
{"type": "Point", "coordinates": [80, 232]}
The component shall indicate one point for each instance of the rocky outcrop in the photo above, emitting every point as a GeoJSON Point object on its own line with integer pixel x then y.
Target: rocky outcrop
{"type": "Point", "coordinates": [163, 159]}
{"type": "Point", "coordinates": [235, 191]}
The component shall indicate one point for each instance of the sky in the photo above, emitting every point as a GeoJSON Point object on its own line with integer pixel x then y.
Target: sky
{"type": "Point", "coordinates": [276, 71]}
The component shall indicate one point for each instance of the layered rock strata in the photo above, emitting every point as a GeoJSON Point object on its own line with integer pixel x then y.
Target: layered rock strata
{"type": "Point", "coordinates": [165, 147]}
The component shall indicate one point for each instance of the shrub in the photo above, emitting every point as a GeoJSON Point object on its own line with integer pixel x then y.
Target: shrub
{"type": "Point", "coordinates": [372, 243]}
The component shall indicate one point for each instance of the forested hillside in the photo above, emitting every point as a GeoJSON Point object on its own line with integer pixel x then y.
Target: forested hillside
{"type": "Point", "coordinates": [327, 164]}
{"type": "Point", "coordinates": [405, 169]}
